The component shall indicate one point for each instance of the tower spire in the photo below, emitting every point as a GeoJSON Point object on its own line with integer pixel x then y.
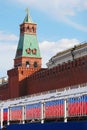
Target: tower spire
{"type": "Point", "coordinates": [27, 18]}
{"type": "Point", "coordinates": [27, 10]}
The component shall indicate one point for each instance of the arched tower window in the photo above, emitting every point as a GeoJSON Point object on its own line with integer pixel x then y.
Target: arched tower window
{"type": "Point", "coordinates": [35, 64]}
{"type": "Point", "coordinates": [27, 64]}
{"type": "Point", "coordinates": [34, 51]}
{"type": "Point", "coordinates": [28, 27]}
{"type": "Point", "coordinates": [32, 29]}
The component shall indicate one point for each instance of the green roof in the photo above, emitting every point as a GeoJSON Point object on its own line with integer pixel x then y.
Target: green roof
{"type": "Point", "coordinates": [27, 41]}
{"type": "Point", "coordinates": [27, 19]}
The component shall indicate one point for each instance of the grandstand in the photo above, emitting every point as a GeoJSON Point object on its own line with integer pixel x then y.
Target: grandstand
{"type": "Point", "coordinates": [57, 105]}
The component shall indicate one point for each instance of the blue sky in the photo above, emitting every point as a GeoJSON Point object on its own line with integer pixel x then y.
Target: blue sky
{"type": "Point", "coordinates": [60, 25]}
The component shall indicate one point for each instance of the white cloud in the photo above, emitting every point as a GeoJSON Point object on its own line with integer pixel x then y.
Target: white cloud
{"type": "Point", "coordinates": [49, 49]}
{"type": "Point", "coordinates": [7, 54]}
{"type": "Point", "coordinates": [59, 9]}
{"type": "Point", "coordinates": [67, 7]}
{"type": "Point", "coordinates": [75, 25]}
{"type": "Point", "coordinates": [7, 37]}
{"type": "Point", "coordinates": [8, 44]}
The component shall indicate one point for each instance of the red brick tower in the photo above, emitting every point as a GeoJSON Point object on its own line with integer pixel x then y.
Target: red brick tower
{"type": "Point", "coordinates": [27, 59]}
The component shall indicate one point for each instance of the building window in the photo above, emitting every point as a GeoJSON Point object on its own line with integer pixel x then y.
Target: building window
{"type": "Point", "coordinates": [32, 29]}
{"type": "Point", "coordinates": [22, 72]}
{"type": "Point", "coordinates": [28, 28]}
{"type": "Point", "coordinates": [35, 64]}
{"type": "Point", "coordinates": [34, 51]}
{"type": "Point", "coordinates": [28, 50]}
{"type": "Point", "coordinates": [27, 64]}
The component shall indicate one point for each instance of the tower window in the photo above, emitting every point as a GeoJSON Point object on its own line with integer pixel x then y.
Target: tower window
{"type": "Point", "coordinates": [27, 64]}
{"type": "Point", "coordinates": [28, 27]}
{"type": "Point", "coordinates": [34, 51]}
{"type": "Point", "coordinates": [28, 50]}
{"type": "Point", "coordinates": [35, 64]}
{"type": "Point", "coordinates": [33, 29]}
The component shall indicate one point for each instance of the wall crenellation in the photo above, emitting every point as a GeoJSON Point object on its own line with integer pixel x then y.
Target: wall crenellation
{"type": "Point", "coordinates": [76, 64]}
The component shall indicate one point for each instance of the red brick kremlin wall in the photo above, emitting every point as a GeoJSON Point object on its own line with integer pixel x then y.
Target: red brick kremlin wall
{"type": "Point", "coordinates": [4, 94]}
{"type": "Point", "coordinates": [65, 75]}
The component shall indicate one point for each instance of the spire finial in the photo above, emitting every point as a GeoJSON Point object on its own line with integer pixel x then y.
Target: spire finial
{"type": "Point", "coordinates": [27, 10]}
{"type": "Point", "coordinates": [28, 18]}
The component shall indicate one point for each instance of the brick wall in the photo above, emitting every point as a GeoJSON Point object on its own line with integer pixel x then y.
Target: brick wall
{"type": "Point", "coordinates": [65, 75]}
{"type": "Point", "coordinates": [4, 92]}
